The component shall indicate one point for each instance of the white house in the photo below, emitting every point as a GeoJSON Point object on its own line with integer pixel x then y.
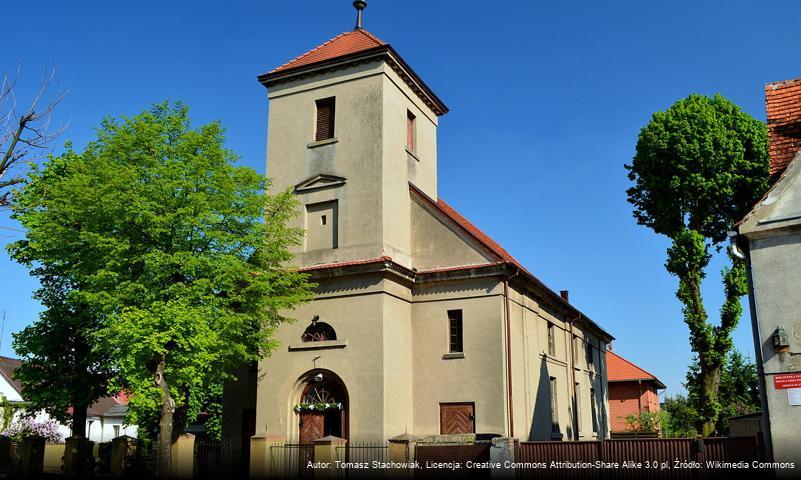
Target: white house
{"type": "Point", "coordinates": [105, 418]}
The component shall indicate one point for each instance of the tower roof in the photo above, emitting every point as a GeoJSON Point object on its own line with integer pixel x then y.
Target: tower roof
{"type": "Point", "coordinates": [353, 47]}
{"type": "Point", "coordinates": [345, 43]}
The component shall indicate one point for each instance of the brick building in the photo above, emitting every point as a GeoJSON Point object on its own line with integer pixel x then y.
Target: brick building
{"type": "Point", "coordinates": [631, 390]}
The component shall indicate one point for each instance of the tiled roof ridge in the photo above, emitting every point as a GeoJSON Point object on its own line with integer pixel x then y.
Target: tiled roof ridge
{"type": "Point", "coordinates": [650, 376]}
{"type": "Point", "coordinates": [783, 83]}
{"type": "Point", "coordinates": [369, 35]}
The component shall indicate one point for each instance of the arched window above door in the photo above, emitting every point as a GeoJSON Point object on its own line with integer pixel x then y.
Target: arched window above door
{"type": "Point", "coordinates": [318, 331]}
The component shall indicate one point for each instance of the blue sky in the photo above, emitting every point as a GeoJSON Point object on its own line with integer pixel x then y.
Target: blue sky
{"type": "Point", "coordinates": [546, 100]}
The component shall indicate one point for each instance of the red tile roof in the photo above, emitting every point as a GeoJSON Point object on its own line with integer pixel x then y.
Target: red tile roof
{"type": "Point", "coordinates": [618, 369]}
{"type": "Point", "coordinates": [783, 106]}
{"type": "Point", "coordinates": [494, 248]}
{"type": "Point", "coordinates": [343, 44]}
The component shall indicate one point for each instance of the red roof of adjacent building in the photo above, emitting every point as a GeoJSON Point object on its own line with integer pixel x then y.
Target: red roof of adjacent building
{"type": "Point", "coordinates": [343, 44]}
{"type": "Point", "coordinates": [618, 369]}
{"type": "Point", "coordinates": [783, 106]}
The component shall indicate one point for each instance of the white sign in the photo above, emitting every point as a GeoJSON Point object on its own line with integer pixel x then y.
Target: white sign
{"type": "Point", "coordinates": [794, 396]}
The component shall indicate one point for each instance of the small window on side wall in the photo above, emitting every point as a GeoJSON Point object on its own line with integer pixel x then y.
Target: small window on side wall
{"type": "Point", "coordinates": [456, 342]}
{"type": "Point", "coordinates": [324, 127]}
{"type": "Point", "coordinates": [551, 340]}
{"type": "Point", "coordinates": [411, 132]}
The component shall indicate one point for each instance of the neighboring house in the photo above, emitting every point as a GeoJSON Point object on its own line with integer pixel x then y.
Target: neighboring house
{"type": "Point", "coordinates": [770, 240]}
{"type": "Point", "coordinates": [421, 322]}
{"type": "Point", "coordinates": [631, 390]}
{"type": "Point", "coordinates": [104, 420]}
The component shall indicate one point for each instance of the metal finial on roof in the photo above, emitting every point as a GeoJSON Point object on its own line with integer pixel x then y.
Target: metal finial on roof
{"type": "Point", "coordinates": [359, 5]}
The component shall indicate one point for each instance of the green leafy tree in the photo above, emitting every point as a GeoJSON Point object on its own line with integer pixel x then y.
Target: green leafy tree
{"type": "Point", "coordinates": [739, 388]}
{"type": "Point", "coordinates": [60, 369]}
{"type": "Point", "coordinates": [179, 252]}
{"type": "Point", "coordinates": [679, 419]}
{"type": "Point", "coordinates": [699, 167]}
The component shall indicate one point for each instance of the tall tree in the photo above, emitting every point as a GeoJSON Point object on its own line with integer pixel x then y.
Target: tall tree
{"type": "Point", "coordinates": [60, 369]}
{"type": "Point", "coordinates": [699, 167]}
{"type": "Point", "coordinates": [25, 133]}
{"type": "Point", "coordinates": [183, 254]}
{"type": "Point", "coordinates": [739, 388]}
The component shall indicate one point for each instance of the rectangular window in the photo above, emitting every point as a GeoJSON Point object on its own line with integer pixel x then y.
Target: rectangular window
{"type": "Point", "coordinates": [551, 340]}
{"type": "Point", "coordinates": [455, 331]}
{"type": "Point", "coordinates": [594, 411]}
{"type": "Point", "coordinates": [576, 347]}
{"type": "Point", "coordinates": [116, 431]}
{"type": "Point", "coordinates": [324, 128]}
{"type": "Point", "coordinates": [411, 133]}
{"type": "Point", "coordinates": [578, 410]}
{"type": "Point", "coordinates": [590, 355]}
{"type": "Point", "coordinates": [554, 408]}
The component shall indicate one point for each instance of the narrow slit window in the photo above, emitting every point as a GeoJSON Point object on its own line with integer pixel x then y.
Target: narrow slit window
{"type": "Point", "coordinates": [456, 344]}
{"type": "Point", "coordinates": [324, 128]}
{"type": "Point", "coordinates": [551, 340]}
{"type": "Point", "coordinates": [322, 220]}
{"type": "Point", "coordinates": [411, 132]}
{"type": "Point", "coordinates": [594, 411]}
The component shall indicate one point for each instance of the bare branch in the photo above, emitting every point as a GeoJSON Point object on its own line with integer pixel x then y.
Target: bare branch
{"type": "Point", "coordinates": [28, 132]}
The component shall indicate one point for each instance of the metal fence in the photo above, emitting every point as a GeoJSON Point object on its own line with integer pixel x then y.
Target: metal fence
{"type": "Point", "coordinates": [647, 458]}
{"type": "Point", "coordinates": [443, 453]}
{"type": "Point", "coordinates": [359, 458]}
{"type": "Point", "coordinates": [292, 460]}
{"type": "Point", "coordinates": [213, 459]}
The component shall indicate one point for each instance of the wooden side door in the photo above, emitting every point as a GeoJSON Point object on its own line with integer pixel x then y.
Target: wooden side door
{"type": "Point", "coordinates": [457, 418]}
{"type": "Point", "coordinates": [311, 427]}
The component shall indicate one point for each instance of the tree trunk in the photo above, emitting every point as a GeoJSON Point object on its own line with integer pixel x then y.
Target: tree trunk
{"type": "Point", "coordinates": [79, 421]}
{"type": "Point", "coordinates": [165, 424]}
{"type": "Point", "coordinates": [710, 383]}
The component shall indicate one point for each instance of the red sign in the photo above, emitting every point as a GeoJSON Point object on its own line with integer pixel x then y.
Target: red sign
{"type": "Point", "coordinates": [788, 380]}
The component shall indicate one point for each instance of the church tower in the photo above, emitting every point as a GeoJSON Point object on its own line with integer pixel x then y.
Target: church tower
{"type": "Point", "coordinates": [350, 126]}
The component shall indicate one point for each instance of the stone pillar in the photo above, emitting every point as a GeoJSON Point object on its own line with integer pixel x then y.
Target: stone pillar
{"type": "Point", "coordinates": [183, 456]}
{"type": "Point", "coordinates": [401, 451]}
{"type": "Point", "coordinates": [502, 451]}
{"type": "Point", "coordinates": [121, 447]}
{"type": "Point", "coordinates": [262, 464]}
{"type": "Point", "coordinates": [32, 456]}
{"type": "Point", "coordinates": [325, 453]}
{"type": "Point", "coordinates": [5, 454]}
{"type": "Point", "coordinates": [76, 456]}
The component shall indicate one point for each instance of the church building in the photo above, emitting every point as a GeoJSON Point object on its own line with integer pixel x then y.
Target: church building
{"type": "Point", "coordinates": [421, 323]}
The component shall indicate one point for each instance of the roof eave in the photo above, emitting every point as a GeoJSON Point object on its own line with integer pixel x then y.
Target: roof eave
{"type": "Point", "coordinates": [385, 52]}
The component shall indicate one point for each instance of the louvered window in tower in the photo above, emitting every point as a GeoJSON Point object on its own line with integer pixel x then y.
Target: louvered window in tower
{"type": "Point", "coordinates": [410, 132]}
{"type": "Point", "coordinates": [324, 128]}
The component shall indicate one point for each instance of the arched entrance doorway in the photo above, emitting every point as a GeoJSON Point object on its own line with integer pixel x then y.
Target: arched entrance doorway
{"type": "Point", "coordinates": [323, 407]}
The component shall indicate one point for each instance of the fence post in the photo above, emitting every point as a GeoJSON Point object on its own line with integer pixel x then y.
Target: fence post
{"type": "Point", "coordinates": [121, 447]}
{"type": "Point", "coordinates": [5, 454]}
{"type": "Point", "coordinates": [261, 462]}
{"type": "Point", "coordinates": [183, 456]}
{"type": "Point", "coordinates": [401, 451]}
{"type": "Point", "coordinates": [502, 450]}
{"type": "Point", "coordinates": [32, 456]}
{"type": "Point", "coordinates": [76, 456]}
{"type": "Point", "coordinates": [325, 452]}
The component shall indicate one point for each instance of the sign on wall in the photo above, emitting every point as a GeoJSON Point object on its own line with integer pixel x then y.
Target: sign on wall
{"type": "Point", "coordinates": [787, 380]}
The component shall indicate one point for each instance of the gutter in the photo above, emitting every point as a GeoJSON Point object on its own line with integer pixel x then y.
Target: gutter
{"type": "Point", "coordinates": [509, 351]}
{"type": "Point", "coordinates": [744, 254]}
{"type": "Point", "coordinates": [572, 341]}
